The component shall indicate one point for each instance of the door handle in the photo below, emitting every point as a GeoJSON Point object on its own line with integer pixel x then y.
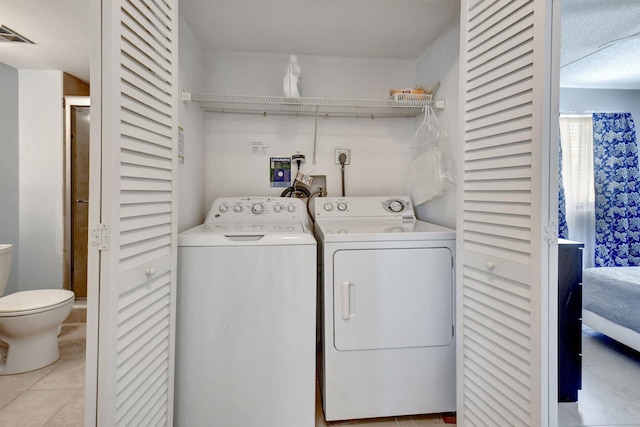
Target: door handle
{"type": "Point", "coordinates": [346, 314]}
{"type": "Point", "coordinates": [81, 201]}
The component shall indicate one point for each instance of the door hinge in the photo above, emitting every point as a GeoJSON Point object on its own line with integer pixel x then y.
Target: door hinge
{"type": "Point", "coordinates": [100, 237]}
{"type": "Point", "coordinates": [551, 233]}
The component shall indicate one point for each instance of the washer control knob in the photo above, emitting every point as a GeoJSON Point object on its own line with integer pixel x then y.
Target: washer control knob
{"type": "Point", "coordinates": [291, 208]}
{"type": "Point", "coordinates": [328, 207]}
{"type": "Point", "coordinates": [396, 206]}
{"type": "Point", "coordinates": [223, 208]}
{"type": "Point", "coordinates": [257, 208]}
{"type": "Point", "coordinates": [277, 208]}
{"type": "Point", "coordinates": [237, 208]}
{"type": "Point", "coordinates": [342, 206]}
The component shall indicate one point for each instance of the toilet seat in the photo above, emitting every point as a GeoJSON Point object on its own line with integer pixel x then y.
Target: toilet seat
{"type": "Point", "coordinates": [23, 303]}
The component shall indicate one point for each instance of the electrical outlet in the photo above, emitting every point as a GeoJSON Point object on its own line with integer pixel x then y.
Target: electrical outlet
{"type": "Point", "coordinates": [346, 151]}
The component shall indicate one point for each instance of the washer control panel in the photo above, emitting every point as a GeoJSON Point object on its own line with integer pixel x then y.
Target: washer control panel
{"type": "Point", "coordinates": [364, 207]}
{"type": "Point", "coordinates": [256, 210]}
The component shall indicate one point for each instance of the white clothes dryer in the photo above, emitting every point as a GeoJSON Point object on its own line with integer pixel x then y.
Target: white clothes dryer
{"type": "Point", "coordinates": [245, 341]}
{"type": "Point", "coordinates": [386, 303]}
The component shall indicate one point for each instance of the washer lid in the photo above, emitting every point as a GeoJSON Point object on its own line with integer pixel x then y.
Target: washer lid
{"type": "Point", "coordinates": [352, 231]}
{"type": "Point", "coordinates": [33, 300]}
{"type": "Point", "coordinates": [247, 235]}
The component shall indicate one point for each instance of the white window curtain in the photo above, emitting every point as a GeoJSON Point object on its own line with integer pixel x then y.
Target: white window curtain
{"type": "Point", "coordinates": [576, 135]}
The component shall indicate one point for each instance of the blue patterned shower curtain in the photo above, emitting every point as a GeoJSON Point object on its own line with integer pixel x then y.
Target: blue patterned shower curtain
{"type": "Point", "coordinates": [563, 229]}
{"type": "Point", "coordinates": [617, 190]}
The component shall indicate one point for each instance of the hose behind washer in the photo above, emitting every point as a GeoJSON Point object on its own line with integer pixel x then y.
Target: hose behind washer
{"type": "Point", "coordinates": [296, 190]}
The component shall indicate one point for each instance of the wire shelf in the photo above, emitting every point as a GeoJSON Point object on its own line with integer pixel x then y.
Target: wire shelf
{"type": "Point", "coordinates": [276, 105]}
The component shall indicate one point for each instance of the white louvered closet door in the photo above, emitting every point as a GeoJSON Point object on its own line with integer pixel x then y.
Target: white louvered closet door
{"type": "Point", "coordinates": [137, 118]}
{"type": "Point", "coordinates": [503, 276]}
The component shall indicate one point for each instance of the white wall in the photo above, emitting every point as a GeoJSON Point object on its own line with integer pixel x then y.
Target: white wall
{"type": "Point", "coordinates": [9, 171]}
{"type": "Point", "coordinates": [41, 174]}
{"type": "Point", "coordinates": [191, 176]}
{"type": "Point", "coordinates": [600, 101]}
{"type": "Point", "coordinates": [440, 62]}
{"type": "Point", "coordinates": [379, 147]}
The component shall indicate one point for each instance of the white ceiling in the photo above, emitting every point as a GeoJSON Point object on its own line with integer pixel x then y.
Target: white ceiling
{"type": "Point", "coordinates": [353, 28]}
{"type": "Point", "coordinates": [59, 29]}
{"type": "Point", "coordinates": [598, 44]}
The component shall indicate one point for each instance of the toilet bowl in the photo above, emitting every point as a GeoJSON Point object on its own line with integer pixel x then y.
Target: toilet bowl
{"type": "Point", "coordinates": [29, 323]}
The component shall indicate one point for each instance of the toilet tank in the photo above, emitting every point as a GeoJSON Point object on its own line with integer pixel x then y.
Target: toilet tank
{"type": "Point", "coordinates": [5, 265]}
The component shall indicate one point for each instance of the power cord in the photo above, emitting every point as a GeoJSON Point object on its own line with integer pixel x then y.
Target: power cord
{"type": "Point", "coordinates": [317, 193]}
{"type": "Point", "coordinates": [298, 189]}
{"type": "Point", "coordinates": [299, 159]}
{"type": "Point", "coordinates": [342, 158]}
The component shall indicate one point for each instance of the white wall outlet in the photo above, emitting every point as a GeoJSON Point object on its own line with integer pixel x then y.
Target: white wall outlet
{"type": "Point", "coordinates": [346, 151]}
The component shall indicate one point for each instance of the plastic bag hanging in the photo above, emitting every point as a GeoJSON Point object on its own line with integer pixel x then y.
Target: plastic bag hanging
{"type": "Point", "coordinates": [433, 170]}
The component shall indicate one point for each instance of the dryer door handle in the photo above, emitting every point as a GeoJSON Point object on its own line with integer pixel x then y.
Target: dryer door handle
{"type": "Point", "coordinates": [346, 312]}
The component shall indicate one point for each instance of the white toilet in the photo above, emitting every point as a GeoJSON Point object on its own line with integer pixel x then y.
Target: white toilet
{"type": "Point", "coordinates": [29, 323]}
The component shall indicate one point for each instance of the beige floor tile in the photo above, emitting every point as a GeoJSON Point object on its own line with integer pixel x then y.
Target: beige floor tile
{"type": "Point", "coordinates": [72, 348]}
{"type": "Point", "coordinates": [6, 396]}
{"type": "Point", "coordinates": [22, 382]}
{"type": "Point", "coordinates": [407, 421]}
{"type": "Point", "coordinates": [374, 422]}
{"type": "Point", "coordinates": [421, 420]}
{"type": "Point", "coordinates": [71, 415]}
{"type": "Point", "coordinates": [33, 408]}
{"type": "Point", "coordinates": [72, 317]}
{"type": "Point", "coordinates": [73, 331]}
{"type": "Point", "coordinates": [68, 374]}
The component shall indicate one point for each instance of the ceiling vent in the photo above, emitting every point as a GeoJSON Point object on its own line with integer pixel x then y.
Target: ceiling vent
{"type": "Point", "coordinates": [10, 36]}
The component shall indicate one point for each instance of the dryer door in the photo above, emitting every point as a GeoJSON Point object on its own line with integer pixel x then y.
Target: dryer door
{"type": "Point", "coordinates": [392, 298]}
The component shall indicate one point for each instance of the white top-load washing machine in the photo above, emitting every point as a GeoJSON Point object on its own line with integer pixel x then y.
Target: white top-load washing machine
{"type": "Point", "coordinates": [386, 309]}
{"type": "Point", "coordinates": [246, 324]}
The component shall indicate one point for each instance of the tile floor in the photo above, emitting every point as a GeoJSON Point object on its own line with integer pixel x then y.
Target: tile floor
{"type": "Point", "coordinates": [54, 395]}
{"type": "Point", "coordinates": [409, 421]}
{"type": "Point", "coordinates": [610, 394]}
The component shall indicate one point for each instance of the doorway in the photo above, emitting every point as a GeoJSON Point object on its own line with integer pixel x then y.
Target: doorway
{"type": "Point", "coordinates": [77, 125]}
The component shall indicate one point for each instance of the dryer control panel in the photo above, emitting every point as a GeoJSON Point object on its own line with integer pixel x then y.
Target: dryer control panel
{"type": "Point", "coordinates": [256, 210]}
{"type": "Point", "coordinates": [364, 207]}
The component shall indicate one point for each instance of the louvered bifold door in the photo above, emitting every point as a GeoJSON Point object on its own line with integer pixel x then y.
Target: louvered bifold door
{"type": "Point", "coordinates": [138, 216]}
{"type": "Point", "coordinates": [502, 367]}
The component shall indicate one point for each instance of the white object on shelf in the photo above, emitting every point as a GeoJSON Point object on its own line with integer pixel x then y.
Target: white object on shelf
{"type": "Point", "coordinates": [292, 82]}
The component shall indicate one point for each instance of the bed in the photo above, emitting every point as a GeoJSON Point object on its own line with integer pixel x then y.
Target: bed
{"type": "Point", "coordinates": [611, 302]}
